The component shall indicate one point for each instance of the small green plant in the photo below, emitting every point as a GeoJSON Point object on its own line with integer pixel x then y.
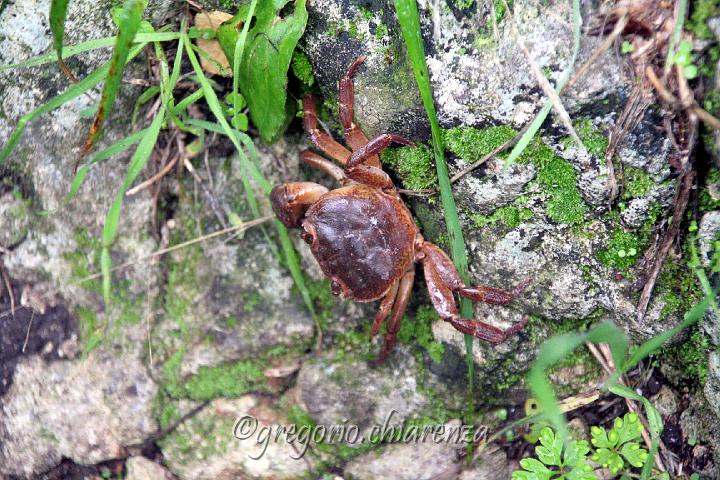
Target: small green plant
{"type": "Point", "coordinates": [684, 57]}
{"type": "Point", "coordinates": [616, 450]}
{"type": "Point", "coordinates": [619, 445]}
{"type": "Point", "coordinates": [556, 461]}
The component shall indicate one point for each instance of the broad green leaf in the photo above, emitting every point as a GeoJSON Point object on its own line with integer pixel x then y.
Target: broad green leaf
{"type": "Point", "coordinates": [129, 19]}
{"type": "Point", "coordinates": [263, 72]}
{"type": "Point", "coordinates": [608, 459]}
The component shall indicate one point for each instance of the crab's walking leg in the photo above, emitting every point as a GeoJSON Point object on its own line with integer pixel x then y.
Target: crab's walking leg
{"type": "Point", "coordinates": [375, 146]}
{"type": "Point", "coordinates": [373, 176]}
{"type": "Point", "coordinates": [353, 135]}
{"type": "Point", "coordinates": [322, 140]}
{"type": "Point", "coordinates": [446, 269]}
{"type": "Point", "coordinates": [398, 310]}
{"type": "Point", "coordinates": [385, 306]}
{"type": "Point", "coordinates": [442, 279]}
{"type": "Point", "coordinates": [315, 160]}
{"type": "Point", "coordinates": [290, 201]}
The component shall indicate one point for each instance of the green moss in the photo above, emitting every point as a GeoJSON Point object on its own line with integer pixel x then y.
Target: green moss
{"type": "Point", "coordinates": [414, 166]}
{"type": "Point", "coordinates": [559, 180]}
{"type": "Point", "coordinates": [471, 144]}
{"type": "Point", "coordinates": [622, 250]}
{"type": "Point", "coordinates": [232, 380]}
{"type": "Point", "coordinates": [637, 183]}
{"type": "Point", "coordinates": [677, 286]}
{"type": "Point", "coordinates": [381, 31]}
{"type": "Point", "coordinates": [701, 11]}
{"type": "Point", "coordinates": [353, 31]}
{"type": "Point", "coordinates": [420, 332]}
{"type": "Point", "coordinates": [706, 200]}
{"type": "Point", "coordinates": [464, 4]}
{"type": "Point", "coordinates": [302, 69]}
{"type": "Point", "coordinates": [595, 142]}
{"type": "Point", "coordinates": [557, 177]}
{"type": "Point", "coordinates": [508, 215]}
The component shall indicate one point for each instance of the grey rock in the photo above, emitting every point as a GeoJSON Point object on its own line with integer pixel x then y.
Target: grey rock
{"type": "Point", "coordinates": [337, 390]}
{"type": "Point", "coordinates": [87, 410]}
{"type": "Point", "coordinates": [209, 446]}
{"type": "Point", "coordinates": [140, 468]}
{"type": "Point", "coordinates": [422, 460]}
{"type": "Point", "coordinates": [666, 401]}
{"type": "Point", "coordinates": [14, 220]}
{"type": "Point", "coordinates": [491, 464]}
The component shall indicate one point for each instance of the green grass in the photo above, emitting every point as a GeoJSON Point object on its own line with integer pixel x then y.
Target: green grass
{"type": "Point", "coordinates": [134, 34]}
{"type": "Point", "coordinates": [409, 20]}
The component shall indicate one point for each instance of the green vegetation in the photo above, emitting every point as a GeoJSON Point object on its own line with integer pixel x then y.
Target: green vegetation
{"type": "Point", "coordinates": [471, 144]}
{"type": "Point", "coordinates": [691, 356]}
{"type": "Point", "coordinates": [265, 62]}
{"type": "Point", "coordinates": [702, 11]}
{"type": "Point", "coordinates": [420, 332]}
{"type": "Point", "coordinates": [613, 449]}
{"type": "Point", "coordinates": [228, 381]}
{"type": "Point", "coordinates": [595, 142]}
{"type": "Point", "coordinates": [637, 183]}
{"type": "Point", "coordinates": [557, 177]}
{"type": "Point", "coordinates": [709, 197]}
{"type": "Point", "coordinates": [302, 69]}
{"type": "Point", "coordinates": [509, 216]}
{"type": "Point", "coordinates": [414, 166]}
{"type": "Point", "coordinates": [559, 180]}
{"type": "Point", "coordinates": [622, 250]}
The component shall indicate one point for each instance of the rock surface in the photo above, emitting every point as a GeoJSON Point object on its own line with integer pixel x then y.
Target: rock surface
{"type": "Point", "coordinates": [412, 461]}
{"type": "Point", "coordinates": [87, 410]}
{"type": "Point", "coordinates": [209, 446]}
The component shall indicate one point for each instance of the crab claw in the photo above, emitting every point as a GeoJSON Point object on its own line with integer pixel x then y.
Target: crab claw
{"type": "Point", "coordinates": [290, 201]}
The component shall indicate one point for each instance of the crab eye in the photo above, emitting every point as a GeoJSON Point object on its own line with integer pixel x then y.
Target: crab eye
{"type": "Point", "coordinates": [335, 288]}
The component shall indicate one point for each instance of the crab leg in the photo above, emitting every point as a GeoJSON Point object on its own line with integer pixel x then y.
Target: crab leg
{"type": "Point", "coordinates": [446, 269]}
{"type": "Point", "coordinates": [322, 140]}
{"type": "Point", "coordinates": [385, 307]}
{"type": "Point", "coordinates": [398, 310]}
{"type": "Point", "coordinates": [369, 175]}
{"type": "Point", "coordinates": [375, 146]}
{"type": "Point", "coordinates": [442, 279]}
{"type": "Point", "coordinates": [353, 135]}
{"type": "Point", "coordinates": [290, 201]}
{"type": "Point", "coordinates": [315, 160]}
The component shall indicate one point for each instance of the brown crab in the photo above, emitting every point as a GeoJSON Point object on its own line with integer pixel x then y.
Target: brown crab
{"type": "Point", "coordinates": [364, 237]}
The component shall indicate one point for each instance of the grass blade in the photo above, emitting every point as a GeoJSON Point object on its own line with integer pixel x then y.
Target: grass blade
{"type": "Point", "coordinates": [71, 50]}
{"type": "Point", "coordinates": [74, 91]}
{"type": "Point", "coordinates": [237, 55]}
{"type": "Point", "coordinates": [112, 219]}
{"type": "Point", "coordinates": [130, 19]}
{"type": "Point", "coordinates": [410, 26]}
{"type": "Point", "coordinates": [557, 348]}
{"type": "Point", "coordinates": [58, 12]}
{"type": "Point", "coordinates": [291, 258]}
